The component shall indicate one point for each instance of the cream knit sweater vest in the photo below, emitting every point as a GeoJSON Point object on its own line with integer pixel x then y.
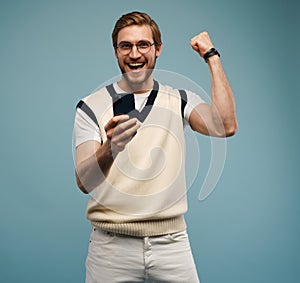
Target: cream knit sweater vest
{"type": "Point", "coordinates": [144, 192]}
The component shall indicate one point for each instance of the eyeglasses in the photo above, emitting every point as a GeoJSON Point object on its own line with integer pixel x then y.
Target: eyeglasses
{"type": "Point", "coordinates": [143, 47]}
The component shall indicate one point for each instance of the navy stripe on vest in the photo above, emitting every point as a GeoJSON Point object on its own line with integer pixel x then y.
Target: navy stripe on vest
{"type": "Point", "coordinates": [87, 110]}
{"type": "Point", "coordinates": [183, 101]}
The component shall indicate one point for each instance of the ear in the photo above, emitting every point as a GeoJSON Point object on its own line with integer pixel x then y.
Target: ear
{"type": "Point", "coordinates": [158, 50]}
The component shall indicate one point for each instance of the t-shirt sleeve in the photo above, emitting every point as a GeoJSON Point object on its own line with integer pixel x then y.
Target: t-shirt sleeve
{"type": "Point", "coordinates": [85, 129]}
{"type": "Point", "coordinates": [192, 101]}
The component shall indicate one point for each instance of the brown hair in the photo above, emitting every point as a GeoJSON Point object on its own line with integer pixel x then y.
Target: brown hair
{"type": "Point", "coordinates": [136, 18]}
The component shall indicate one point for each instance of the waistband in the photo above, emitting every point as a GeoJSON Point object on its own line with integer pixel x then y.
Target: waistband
{"type": "Point", "coordinates": [144, 228]}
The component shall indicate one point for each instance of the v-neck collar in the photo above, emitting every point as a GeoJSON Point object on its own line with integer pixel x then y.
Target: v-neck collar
{"type": "Point", "coordinates": [123, 103]}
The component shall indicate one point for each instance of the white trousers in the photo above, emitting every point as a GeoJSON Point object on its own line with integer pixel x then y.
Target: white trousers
{"type": "Point", "coordinates": [114, 258]}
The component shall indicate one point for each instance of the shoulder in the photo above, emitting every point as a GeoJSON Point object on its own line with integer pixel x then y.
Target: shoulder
{"type": "Point", "coordinates": [97, 106]}
{"type": "Point", "coordinates": [168, 89]}
{"type": "Point", "coordinates": [95, 96]}
{"type": "Point", "coordinates": [98, 101]}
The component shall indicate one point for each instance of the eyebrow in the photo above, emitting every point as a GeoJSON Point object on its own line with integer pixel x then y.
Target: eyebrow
{"type": "Point", "coordinates": [142, 40]}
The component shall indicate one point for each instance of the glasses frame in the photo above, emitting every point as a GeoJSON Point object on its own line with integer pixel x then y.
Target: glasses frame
{"type": "Point", "coordinates": [126, 52]}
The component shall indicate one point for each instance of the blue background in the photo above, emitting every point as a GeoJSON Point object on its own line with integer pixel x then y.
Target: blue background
{"type": "Point", "coordinates": [53, 53]}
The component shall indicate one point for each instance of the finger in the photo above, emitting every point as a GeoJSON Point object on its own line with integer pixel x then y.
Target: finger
{"type": "Point", "coordinates": [195, 47]}
{"type": "Point", "coordinates": [125, 129]}
{"type": "Point", "coordinates": [117, 146]}
{"type": "Point", "coordinates": [114, 121]}
{"type": "Point", "coordinates": [119, 142]}
{"type": "Point", "coordinates": [204, 34]}
{"type": "Point", "coordinates": [194, 43]}
{"type": "Point", "coordinates": [121, 127]}
{"type": "Point", "coordinates": [125, 125]}
{"type": "Point", "coordinates": [127, 135]}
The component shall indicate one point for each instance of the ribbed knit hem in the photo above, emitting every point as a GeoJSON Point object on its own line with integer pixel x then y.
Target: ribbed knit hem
{"type": "Point", "coordinates": [144, 228]}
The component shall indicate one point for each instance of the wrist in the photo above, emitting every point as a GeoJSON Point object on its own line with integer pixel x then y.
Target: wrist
{"type": "Point", "coordinates": [213, 59]}
{"type": "Point", "coordinates": [211, 53]}
{"type": "Point", "coordinates": [104, 153]}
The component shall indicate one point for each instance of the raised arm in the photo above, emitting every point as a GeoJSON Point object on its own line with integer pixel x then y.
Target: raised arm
{"type": "Point", "coordinates": [94, 160]}
{"type": "Point", "coordinates": [219, 118]}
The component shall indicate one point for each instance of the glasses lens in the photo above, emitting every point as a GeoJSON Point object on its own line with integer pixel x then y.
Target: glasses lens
{"type": "Point", "coordinates": [125, 47]}
{"type": "Point", "coordinates": [144, 47]}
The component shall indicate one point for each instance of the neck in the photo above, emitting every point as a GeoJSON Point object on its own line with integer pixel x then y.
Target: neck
{"type": "Point", "coordinates": [137, 88]}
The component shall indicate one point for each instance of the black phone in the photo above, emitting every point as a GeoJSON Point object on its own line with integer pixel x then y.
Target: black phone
{"type": "Point", "coordinates": [124, 104]}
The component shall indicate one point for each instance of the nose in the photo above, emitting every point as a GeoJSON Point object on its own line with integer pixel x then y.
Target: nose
{"type": "Point", "coordinates": [134, 53]}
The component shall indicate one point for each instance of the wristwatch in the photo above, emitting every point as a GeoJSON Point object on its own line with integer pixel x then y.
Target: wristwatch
{"type": "Point", "coordinates": [209, 53]}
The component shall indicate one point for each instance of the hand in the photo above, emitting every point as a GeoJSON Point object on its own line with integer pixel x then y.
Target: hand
{"type": "Point", "coordinates": [201, 43]}
{"type": "Point", "coordinates": [120, 130]}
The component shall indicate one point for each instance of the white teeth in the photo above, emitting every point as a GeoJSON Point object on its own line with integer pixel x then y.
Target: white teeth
{"type": "Point", "coordinates": [135, 64]}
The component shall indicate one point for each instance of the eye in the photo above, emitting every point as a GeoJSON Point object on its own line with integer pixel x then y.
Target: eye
{"type": "Point", "coordinates": [144, 44]}
{"type": "Point", "coordinates": [125, 45]}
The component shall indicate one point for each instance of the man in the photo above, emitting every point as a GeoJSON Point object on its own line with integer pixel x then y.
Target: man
{"type": "Point", "coordinates": [130, 157]}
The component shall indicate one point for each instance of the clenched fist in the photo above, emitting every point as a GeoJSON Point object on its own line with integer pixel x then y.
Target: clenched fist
{"type": "Point", "coordinates": [201, 43]}
{"type": "Point", "coordinates": [120, 130]}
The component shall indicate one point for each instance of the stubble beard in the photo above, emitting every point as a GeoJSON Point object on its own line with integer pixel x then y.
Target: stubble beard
{"type": "Point", "coordinates": [136, 81]}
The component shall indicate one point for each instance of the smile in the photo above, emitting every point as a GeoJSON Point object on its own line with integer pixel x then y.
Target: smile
{"type": "Point", "coordinates": [135, 66]}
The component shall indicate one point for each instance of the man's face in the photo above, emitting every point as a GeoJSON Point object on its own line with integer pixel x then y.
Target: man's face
{"type": "Point", "coordinates": [135, 64]}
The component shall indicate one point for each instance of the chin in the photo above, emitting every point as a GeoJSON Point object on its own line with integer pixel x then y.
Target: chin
{"type": "Point", "coordinates": [137, 78]}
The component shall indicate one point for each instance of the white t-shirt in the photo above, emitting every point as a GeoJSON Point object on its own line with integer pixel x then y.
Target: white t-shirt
{"type": "Point", "coordinates": [85, 128]}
